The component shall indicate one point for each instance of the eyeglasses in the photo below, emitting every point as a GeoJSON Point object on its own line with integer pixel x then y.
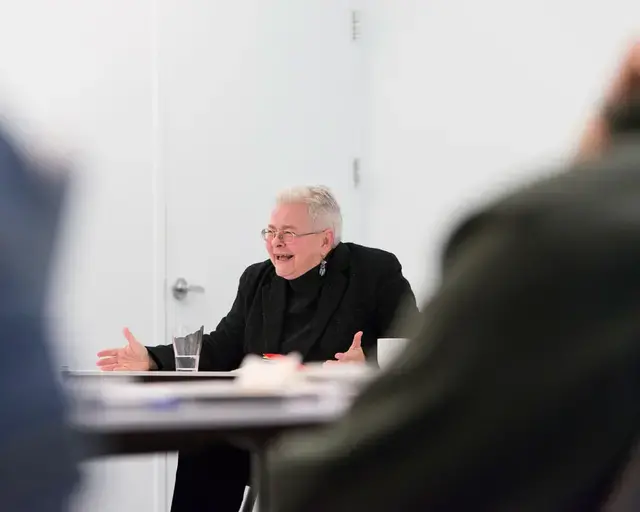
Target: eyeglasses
{"type": "Point", "coordinates": [285, 236]}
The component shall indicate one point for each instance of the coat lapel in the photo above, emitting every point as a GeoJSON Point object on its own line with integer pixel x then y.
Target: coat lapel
{"type": "Point", "coordinates": [274, 299]}
{"type": "Point", "coordinates": [333, 288]}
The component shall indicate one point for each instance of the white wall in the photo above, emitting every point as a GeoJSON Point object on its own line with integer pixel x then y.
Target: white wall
{"type": "Point", "coordinates": [469, 96]}
{"type": "Point", "coordinates": [79, 74]}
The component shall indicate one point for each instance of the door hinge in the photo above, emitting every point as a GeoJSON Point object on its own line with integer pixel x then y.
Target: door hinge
{"type": "Point", "coordinates": [355, 166]}
{"type": "Point", "coordinates": [355, 25]}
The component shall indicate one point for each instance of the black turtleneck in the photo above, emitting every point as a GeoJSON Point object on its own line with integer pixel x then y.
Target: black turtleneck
{"type": "Point", "coordinates": [302, 304]}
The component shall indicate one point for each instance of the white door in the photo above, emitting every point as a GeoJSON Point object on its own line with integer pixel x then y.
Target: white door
{"type": "Point", "coordinates": [252, 96]}
{"type": "Point", "coordinates": [76, 77]}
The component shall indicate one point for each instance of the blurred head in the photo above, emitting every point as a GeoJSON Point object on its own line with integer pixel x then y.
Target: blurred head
{"type": "Point", "coordinates": [624, 118]}
{"type": "Point", "coordinates": [304, 226]}
{"type": "Point", "coordinates": [621, 114]}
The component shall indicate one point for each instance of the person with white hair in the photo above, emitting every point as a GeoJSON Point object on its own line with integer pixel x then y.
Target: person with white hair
{"type": "Point", "coordinates": [326, 299]}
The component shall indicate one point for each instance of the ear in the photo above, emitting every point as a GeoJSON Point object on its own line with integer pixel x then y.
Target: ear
{"type": "Point", "coordinates": [327, 240]}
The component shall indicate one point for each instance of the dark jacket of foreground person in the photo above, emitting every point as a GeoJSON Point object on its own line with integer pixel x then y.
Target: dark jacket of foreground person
{"type": "Point", "coordinates": [522, 391]}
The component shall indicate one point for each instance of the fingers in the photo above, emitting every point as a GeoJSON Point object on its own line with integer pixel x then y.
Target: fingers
{"type": "Point", "coordinates": [107, 361]}
{"type": "Point", "coordinates": [131, 339]}
{"type": "Point", "coordinates": [346, 356]}
{"type": "Point", "coordinates": [330, 363]}
{"type": "Point", "coordinates": [357, 341]}
{"type": "Point", "coordinates": [111, 352]}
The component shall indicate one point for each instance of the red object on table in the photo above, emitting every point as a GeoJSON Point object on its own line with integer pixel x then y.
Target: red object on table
{"type": "Point", "coordinates": [270, 357]}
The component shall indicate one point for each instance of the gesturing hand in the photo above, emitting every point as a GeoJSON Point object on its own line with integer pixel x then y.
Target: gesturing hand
{"type": "Point", "coordinates": [355, 354]}
{"type": "Point", "coordinates": [133, 356]}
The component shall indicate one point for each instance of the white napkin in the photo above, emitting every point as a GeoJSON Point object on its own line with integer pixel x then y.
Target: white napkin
{"type": "Point", "coordinates": [258, 374]}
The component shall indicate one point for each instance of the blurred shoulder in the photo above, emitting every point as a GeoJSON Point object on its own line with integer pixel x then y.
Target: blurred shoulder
{"type": "Point", "coordinates": [580, 205]}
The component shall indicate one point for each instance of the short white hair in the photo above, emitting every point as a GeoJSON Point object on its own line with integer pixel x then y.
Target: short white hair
{"type": "Point", "coordinates": [323, 208]}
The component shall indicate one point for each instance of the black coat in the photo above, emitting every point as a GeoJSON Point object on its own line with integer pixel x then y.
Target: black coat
{"type": "Point", "coordinates": [363, 290]}
{"type": "Point", "coordinates": [521, 392]}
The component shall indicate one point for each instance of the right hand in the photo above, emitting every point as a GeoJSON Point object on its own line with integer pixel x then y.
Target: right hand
{"type": "Point", "coordinates": [132, 357]}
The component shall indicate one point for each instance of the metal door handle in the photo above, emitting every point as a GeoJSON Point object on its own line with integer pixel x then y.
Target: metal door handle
{"type": "Point", "coordinates": [181, 288]}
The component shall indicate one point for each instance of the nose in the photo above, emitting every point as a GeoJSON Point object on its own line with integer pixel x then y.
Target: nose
{"type": "Point", "coordinates": [276, 241]}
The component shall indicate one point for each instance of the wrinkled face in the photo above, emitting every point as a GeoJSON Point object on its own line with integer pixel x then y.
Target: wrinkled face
{"type": "Point", "coordinates": [295, 245]}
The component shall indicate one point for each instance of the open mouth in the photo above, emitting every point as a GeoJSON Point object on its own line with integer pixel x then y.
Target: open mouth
{"type": "Point", "coordinates": [283, 257]}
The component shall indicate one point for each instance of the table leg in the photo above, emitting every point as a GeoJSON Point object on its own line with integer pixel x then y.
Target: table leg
{"type": "Point", "coordinates": [259, 482]}
{"type": "Point", "coordinates": [250, 500]}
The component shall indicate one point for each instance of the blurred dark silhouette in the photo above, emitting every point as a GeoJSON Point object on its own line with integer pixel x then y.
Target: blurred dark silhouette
{"type": "Point", "coordinates": [624, 118]}
{"type": "Point", "coordinates": [521, 390]}
{"type": "Point", "coordinates": [37, 458]}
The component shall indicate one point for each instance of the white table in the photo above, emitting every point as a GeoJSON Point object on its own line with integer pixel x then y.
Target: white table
{"type": "Point", "coordinates": [148, 376]}
{"type": "Point", "coordinates": [248, 422]}
{"type": "Point", "coordinates": [99, 374]}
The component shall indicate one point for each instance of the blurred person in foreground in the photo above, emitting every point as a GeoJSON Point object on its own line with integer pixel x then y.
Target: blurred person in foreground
{"type": "Point", "coordinates": [522, 390]}
{"type": "Point", "coordinates": [37, 463]}
{"type": "Point", "coordinates": [326, 299]}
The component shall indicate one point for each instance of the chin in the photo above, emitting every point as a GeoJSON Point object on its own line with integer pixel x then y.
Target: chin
{"type": "Point", "coordinates": [283, 272]}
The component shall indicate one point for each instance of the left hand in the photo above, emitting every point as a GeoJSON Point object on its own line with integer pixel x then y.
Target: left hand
{"type": "Point", "coordinates": [355, 354]}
